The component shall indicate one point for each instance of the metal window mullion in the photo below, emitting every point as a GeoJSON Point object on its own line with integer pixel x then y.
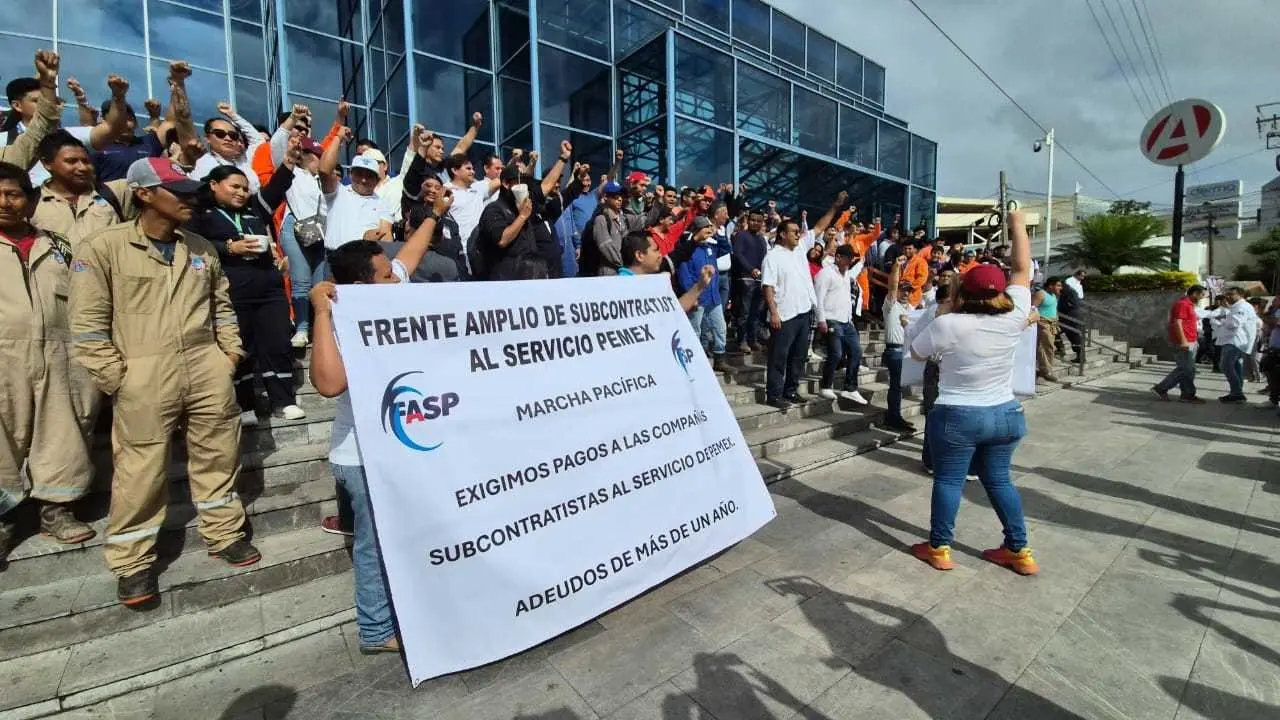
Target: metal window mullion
{"type": "Point", "coordinates": [671, 104]}
{"type": "Point", "coordinates": [282, 56]}
{"type": "Point", "coordinates": [226, 44]}
{"type": "Point", "coordinates": [146, 43]}
{"type": "Point", "coordinates": [535, 85]}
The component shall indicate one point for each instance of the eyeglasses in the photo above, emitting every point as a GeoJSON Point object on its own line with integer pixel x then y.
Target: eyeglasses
{"type": "Point", "coordinates": [231, 135]}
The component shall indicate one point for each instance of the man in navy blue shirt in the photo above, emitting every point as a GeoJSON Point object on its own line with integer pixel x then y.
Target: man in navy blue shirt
{"type": "Point", "coordinates": [749, 249]}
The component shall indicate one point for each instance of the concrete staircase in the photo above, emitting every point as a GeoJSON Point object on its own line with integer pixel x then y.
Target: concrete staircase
{"type": "Point", "coordinates": [65, 643]}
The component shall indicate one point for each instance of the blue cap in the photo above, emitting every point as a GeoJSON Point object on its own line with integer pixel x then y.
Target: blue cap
{"type": "Point", "coordinates": [612, 188]}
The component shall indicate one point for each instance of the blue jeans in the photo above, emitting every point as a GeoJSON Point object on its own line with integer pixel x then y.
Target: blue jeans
{"type": "Point", "coordinates": [373, 606]}
{"type": "Point", "coordinates": [709, 323]}
{"type": "Point", "coordinates": [1233, 368]}
{"type": "Point", "coordinates": [842, 341]}
{"type": "Point", "coordinates": [892, 360]}
{"type": "Point", "coordinates": [307, 268]}
{"type": "Point", "coordinates": [985, 436]}
{"type": "Point", "coordinates": [1183, 374]}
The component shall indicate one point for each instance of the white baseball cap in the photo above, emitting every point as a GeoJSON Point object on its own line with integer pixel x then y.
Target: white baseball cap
{"type": "Point", "coordinates": [364, 162]}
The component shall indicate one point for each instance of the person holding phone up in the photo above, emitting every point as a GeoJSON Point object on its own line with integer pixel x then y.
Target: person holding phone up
{"type": "Point", "coordinates": [238, 223]}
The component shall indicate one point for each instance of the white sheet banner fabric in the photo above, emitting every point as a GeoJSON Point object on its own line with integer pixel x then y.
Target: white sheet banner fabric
{"type": "Point", "coordinates": [1024, 359]}
{"type": "Point", "coordinates": [537, 453]}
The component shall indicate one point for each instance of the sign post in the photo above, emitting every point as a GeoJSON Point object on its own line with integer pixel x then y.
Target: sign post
{"type": "Point", "coordinates": [1176, 136]}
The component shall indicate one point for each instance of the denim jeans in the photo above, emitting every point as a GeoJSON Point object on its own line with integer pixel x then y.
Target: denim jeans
{"type": "Point", "coordinates": [1233, 368]}
{"type": "Point", "coordinates": [987, 437]}
{"type": "Point", "coordinates": [708, 322]}
{"type": "Point", "coordinates": [307, 268]}
{"type": "Point", "coordinates": [748, 309]}
{"type": "Point", "coordinates": [788, 350]}
{"type": "Point", "coordinates": [373, 606]}
{"type": "Point", "coordinates": [892, 360]}
{"type": "Point", "coordinates": [842, 340]}
{"type": "Point", "coordinates": [1183, 374]}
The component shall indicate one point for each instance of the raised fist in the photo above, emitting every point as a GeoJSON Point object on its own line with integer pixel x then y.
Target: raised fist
{"type": "Point", "coordinates": [566, 148]}
{"type": "Point", "coordinates": [47, 63]}
{"type": "Point", "coordinates": [477, 120]}
{"type": "Point", "coordinates": [119, 86]}
{"type": "Point", "coordinates": [179, 71]}
{"type": "Point", "coordinates": [77, 91]}
{"type": "Point", "coordinates": [153, 107]}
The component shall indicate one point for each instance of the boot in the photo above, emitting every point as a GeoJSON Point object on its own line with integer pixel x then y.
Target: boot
{"type": "Point", "coordinates": [717, 363]}
{"type": "Point", "coordinates": [57, 522]}
{"type": "Point", "coordinates": [138, 588]}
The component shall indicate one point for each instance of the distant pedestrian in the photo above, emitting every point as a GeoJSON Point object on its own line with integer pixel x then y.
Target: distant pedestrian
{"type": "Point", "coordinates": [1237, 328]}
{"type": "Point", "coordinates": [1184, 326]}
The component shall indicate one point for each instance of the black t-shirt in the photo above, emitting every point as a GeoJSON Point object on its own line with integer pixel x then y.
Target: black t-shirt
{"type": "Point", "coordinates": [503, 263]}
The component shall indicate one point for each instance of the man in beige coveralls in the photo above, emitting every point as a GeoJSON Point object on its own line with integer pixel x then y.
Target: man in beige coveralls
{"type": "Point", "coordinates": [152, 321]}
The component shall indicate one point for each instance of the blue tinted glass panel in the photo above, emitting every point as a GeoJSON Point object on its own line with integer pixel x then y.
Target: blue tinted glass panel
{"type": "Point", "coordinates": [751, 24]}
{"type": "Point", "coordinates": [115, 24]}
{"type": "Point", "coordinates": [815, 122]}
{"type": "Point", "coordinates": [517, 103]}
{"type": "Point", "coordinates": [459, 33]}
{"type": "Point", "coordinates": [873, 83]}
{"type": "Point", "coordinates": [210, 5]}
{"type": "Point", "coordinates": [922, 211]}
{"type": "Point", "coordinates": [513, 30]}
{"type": "Point", "coordinates": [247, 50]}
{"type": "Point", "coordinates": [575, 91]}
{"type": "Point", "coordinates": [315, 63]}
{"type": "Point", "coordinates": [393, 27]}
{"type": "Point", "coordinates": [849, 70]}
{"type": "Point", "coordinates": [581, 25]}
{"type": "Point", "coordinates": [26, 18]}
{"type": "Point", "coordinates": [646, 151]}
{"type": "Point", "coordinates": [712, 12]}
{"type": "Point", "coordinates": [18, 60]}
{"type": "Point", "coordinates": [676, 5]}
{"type": "Point", "coordinates": [250, 10]}
{"type": "Point", "coordinates": [924, 158]}
{"type": "Point", "coordinates": [251, 102]}
{"type": "Point", "coordinates": [82, 60]}
{"type": "Point", "coordinates": [642, 85]}
{"type": "Point", "coordinates": [634, 26]}
{"type": "Point", "coordinates": [520, 140]}
{"type": "Point", "coordinates": [703, 154]}
{"type": "Point", "coordinates": [336, 17]}
{"type": "Point", "coordinates": [447, 94]}
{"type": "Point", "coordinates": [894, 150]}
{"type": "Point", "coordinates": [704, 82]}
{"type": "Point", "coordinates": [800, 182]}
{"type": "Point", "coordinates": [822, 56]}
{"type": "Point", "coordinates": [764, 103]}
{"type": "Point", "coordinates": [204, 88]}
{"type": "Point", "coordinates": [398, 93]}
{"type": "Point", "coordinates": [788, 39]}
{"type": "Point", "coordinates": [598, 151]}
{"type": "Point", "coordinates": [857, 137]}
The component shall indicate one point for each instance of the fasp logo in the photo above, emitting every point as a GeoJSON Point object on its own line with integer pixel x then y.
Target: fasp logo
{"type": "Point", "coordinates": [683, 356]}
{"type": "Point", "coordinates": [405, 411]}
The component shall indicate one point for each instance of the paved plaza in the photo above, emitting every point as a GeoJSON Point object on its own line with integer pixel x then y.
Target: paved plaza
{"type": "Point", "coordinates": [1156, 525]}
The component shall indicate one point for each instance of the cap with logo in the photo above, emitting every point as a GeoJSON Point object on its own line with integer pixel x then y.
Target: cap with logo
{"type": "Point", "coordinates": [364, 162]}
{"type": "Point", "coordinates": [376, 154]}
{"type": "Point", "coordinates": [637, 177]}
{"type": "Point", "coordinates": [612, 188]}
{"type": "Point", "coordinates": [159, 172]}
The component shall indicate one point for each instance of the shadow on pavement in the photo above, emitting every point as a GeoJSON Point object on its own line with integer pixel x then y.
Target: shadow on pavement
{"type": "Point", "coordinates": [1198, 610]}
{"type": "Point", "coordinates": [937, 689]}
{"type": "Point", "coordinates": [250, 704]}
{"type": "Point", "coordinates": [729, 693]}
{"type": "Point", "coordinates": [1214, 704]}
{"type": "Point", "coordinates": [560, 714]}
{"type": "Point", "coordinates": [1249, 468]}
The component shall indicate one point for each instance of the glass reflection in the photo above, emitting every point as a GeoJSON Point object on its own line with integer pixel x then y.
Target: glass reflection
{"type": "Point", "coordinates": [703, 154]}
{"type": "Point", "coordinates": [575, 91]}
{"type": "Point", "coordinates": [764, 103]}
{"type": "Point", "coordinates": [924, 157]}
{"type": "Point", "coordinates": [315, 66]}
{"type": "Point", "coordinates": [800, 182]}
{"type": "Point", "coordinates": [115, 24]}
{"type": "Point", "coordinates": [16, 17]}
{"type": "Point", "coordinates": [450, 94]}
{"type": "Point", "coordinates": [247, 56]}
{"type": "Point", "coordinates": [704, 82]}
{"type": "Point", "coordinates": [751, 24]}
{"type": "Point", "coordinates": [581, 25]}
{"type": "Point", "coordinates": [822, 56]}
{"type": "Point", "coordinates": [873, 83]}
{"type": "Point", "coordinates": [815, 122]}
{"type": "Point", "coordinates": [251, 102]}
{"type": "Point", "coordinates": [593, 149]}
{"type": "Point", "coordinates": [634, 26]}
{"type": "Point", "coordinates": [894, 158]}
{"type": "Point", "coordinates": [642, 85]}
{"type": "Point", "coordinates": [646, 150]}
{"type": "Point", "coordinates": [857, 137]}
{"type": "Point", "coordinates": [849, 70]}
{"type": "Point", "coordinates": [460, 33]}
{"type": "Point", "coordinates": [712, 12]}
{"type": "Point", "coordinates": [336, 17]}
{"type": "Point", "coordinates": [788, 39]}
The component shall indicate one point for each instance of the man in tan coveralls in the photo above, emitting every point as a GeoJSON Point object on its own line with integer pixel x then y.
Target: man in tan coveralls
{"type": "Point", "coordinates": [152, 321]}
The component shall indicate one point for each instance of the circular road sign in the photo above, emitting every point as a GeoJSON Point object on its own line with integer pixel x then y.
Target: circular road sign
{"type": "Point", "coordinates": [1183, 132]}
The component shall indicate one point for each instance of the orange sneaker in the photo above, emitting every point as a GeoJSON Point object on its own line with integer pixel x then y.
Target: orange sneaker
{"type": "Point", "coordinates": [1020, 562]}
{"type": "Point", "coordinates": [938, 557]}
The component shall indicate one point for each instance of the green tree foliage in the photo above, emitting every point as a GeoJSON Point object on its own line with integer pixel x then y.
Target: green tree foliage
{"type": "Point", "coordinates": [1129, 207]}
{"type": "Point", "coordinates": [1115, 240]}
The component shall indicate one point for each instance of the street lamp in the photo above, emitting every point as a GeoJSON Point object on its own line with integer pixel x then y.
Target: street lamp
{"type": "Point", "coordinates": [1048, 213]}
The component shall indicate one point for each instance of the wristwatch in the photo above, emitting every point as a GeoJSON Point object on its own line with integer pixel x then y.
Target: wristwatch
{"type": "Point", "coordinates": [565, 158]}
{"type": "Point", "coordinates": [431, 215]}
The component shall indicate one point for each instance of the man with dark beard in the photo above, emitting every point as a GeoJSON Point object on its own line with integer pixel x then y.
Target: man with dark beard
{"type": "Point", "coordinates": [505, 236]}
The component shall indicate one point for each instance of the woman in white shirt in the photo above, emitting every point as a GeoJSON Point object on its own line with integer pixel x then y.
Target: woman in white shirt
{"type": "Point", "coordinates": [976, 417]}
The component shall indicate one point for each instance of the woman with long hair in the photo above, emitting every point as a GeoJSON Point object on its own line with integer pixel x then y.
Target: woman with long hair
{"type": "Point", "coordinates": [238, 223]}
{"type": "Point", "coordinates": [976, 417]}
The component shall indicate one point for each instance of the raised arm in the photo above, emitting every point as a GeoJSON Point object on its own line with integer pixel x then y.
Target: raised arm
{"type": "Point", "coordinates": [617, 165]}
{"type": "Point", "coordinates": [180, 103]}
{"type": "Point", "coordinates": [23, 150]}
{"type": "Point", "coordinates": [1020, 250]}
{"type": "Point", "coordinates": [116, 123]}
{"type": "Point", "coordinates": [689, 300]}
{"type": "Point", "coordinates": [328, 373]}
{"type": "Point", "coordinates": [825, 220]}
{"type": "Point", "coordinates": [551, 180]}
{"type": "Point", "coordinates": [419, 243]}
{"type": "Point", "coordinates": [329, 162]}
{"type": "Point", "coordinates": [88, 113]}
{"type": "Point", "coordinates": [464, 142]}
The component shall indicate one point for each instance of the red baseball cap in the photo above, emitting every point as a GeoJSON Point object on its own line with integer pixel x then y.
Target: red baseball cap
{"type": "Point", "coordinates": [984, 280]}
{"type": "Point", "coordinates": [160, 172]}
{"type": "Point", "coordinates": [637, 177]}
{"type": "Point", "coordinates": [309, 144]}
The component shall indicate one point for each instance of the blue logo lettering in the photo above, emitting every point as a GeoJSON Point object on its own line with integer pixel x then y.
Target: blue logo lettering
{"type": "Point", "coordinates": [404, 407]}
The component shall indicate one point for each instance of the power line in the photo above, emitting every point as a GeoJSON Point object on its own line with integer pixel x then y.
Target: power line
{"type": "Point", "coordinates": [1146, 33]}
{"type": "Point", "coordinates": [1115, 56]}
{"type": "Point", "coordinates": [1058, 143]}
{"type": "Point", "coordinates": [1155, 90]}
{"type": "Point", "coordinates": [1228, 161]}
{"type": "Point", "coordinates": [1125, 49]}
{"type": "Point", "coordinates": [1164, 67]}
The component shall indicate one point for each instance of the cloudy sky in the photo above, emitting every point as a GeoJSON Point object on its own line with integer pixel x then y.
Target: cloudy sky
{"type": "Point", "coordinates": [1050, 56]}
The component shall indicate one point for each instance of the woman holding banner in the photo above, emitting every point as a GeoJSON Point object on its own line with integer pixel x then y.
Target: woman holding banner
{"type": "Point", "coordinates": [976, 417]}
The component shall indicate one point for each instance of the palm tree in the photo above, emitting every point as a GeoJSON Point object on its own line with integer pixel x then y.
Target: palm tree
{"type": "Point", "coordinates": [1110, 242]}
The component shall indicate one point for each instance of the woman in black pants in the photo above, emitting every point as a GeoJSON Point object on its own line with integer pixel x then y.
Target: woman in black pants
{"type": "Point", "coordinates": [239, 224]}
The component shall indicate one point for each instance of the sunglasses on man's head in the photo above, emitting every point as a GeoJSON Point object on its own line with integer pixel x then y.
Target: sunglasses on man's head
{"type": "Point", "coordinates": [227, 135]}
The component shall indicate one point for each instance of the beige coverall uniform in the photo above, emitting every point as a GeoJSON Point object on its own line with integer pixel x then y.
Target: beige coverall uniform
{"type": "Point", "coordinates": [23, 150]}
{"type": "Point", "coordinates": [91, 215]}
{"type": "Point", "coordinates": [40, 419]}
{"type": "Point", "coordinates": [157, 336]}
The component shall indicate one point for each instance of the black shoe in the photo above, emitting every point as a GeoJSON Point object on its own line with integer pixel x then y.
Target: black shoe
{"type": "Point", "coordinates": [899, 425]}
{"type": "Point", "coordinates": [238, 554]}
{"type": "Point", "coordinates": [717, 363]}
{"type": "Point", "coordinates": [137, 588]}
{"type": "Point", "coordinates": [780, 403]}
{"type": "Point", "coordinates": [795, 399]}
{"type": "Point", "coordinates": [1232, 399]}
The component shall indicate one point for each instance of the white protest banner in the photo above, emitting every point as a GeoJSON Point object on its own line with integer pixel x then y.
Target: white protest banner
{"type": "Point", "coordinates": [537, 453]}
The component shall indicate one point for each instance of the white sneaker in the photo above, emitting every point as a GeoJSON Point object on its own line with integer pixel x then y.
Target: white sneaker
{"type": "Point", "coordinates": [290, 412]}
{"type": "Point", "coordinates": [853, 395]}
{"type": "Point", "coordinates": [827, 393]}
{"type": "Point", "coordinates": [248, 418]}
{"type": "Point", "coordinates": [299, 339]}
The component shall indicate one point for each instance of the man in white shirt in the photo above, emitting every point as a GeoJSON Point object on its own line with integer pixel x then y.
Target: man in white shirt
{"type": "Point", "coordinates": [895, 311]}
{"type": "Point", "coordinates": [232, 140]}
{"type": "Point", "coordinates": [469, 194]}
{"type": "Point", "coordinates": [835, 308]}
{"type": "Point", "coordinates": [788, 293]}
{"type": "Point", "coordinates": [1076, 282]}
{"type": "Point", "coordinates": [1235, 332]}
{"type": "Point", "coordinates": [355, 211]}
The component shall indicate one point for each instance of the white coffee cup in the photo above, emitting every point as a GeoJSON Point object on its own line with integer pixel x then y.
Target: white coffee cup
{"type": "Point", "coordinates": [521, 193]}
{"type": "Point", "coordinates": [259, 243]}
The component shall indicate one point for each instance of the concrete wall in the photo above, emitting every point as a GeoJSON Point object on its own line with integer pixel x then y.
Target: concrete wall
{"type": "Point", "coordinates": [1147, 314]}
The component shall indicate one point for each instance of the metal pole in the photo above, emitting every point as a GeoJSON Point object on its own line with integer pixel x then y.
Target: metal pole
{"type": "Point", "coordinates": [1212, 228]}
{"type": "Point", "coordinates": [1048, 213]}
{"type": "Point", "coordinates": [1003, 209]}
{"type": "Point", "coordinates": [1175, 248]}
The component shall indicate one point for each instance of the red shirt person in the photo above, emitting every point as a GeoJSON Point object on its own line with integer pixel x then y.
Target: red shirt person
{"type": "Point", "coordinates": [1184, 332]}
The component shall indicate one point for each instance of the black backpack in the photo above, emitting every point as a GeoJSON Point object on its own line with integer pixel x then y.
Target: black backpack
{"type": "Point", "coordinates": [475, 256]}
{"type": "Point", "coordinates": [589, 260]}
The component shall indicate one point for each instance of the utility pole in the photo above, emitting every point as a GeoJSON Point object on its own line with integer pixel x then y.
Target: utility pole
{"type": "Point", "coordinates": [1048, 211]}
{"type": "Point", "coordinates": [1269, 127]}
{"type": "Point", "coordinates": [1175, 249]}
{"type": "Point", "coordinates": [1212, 229]}
{"type": "Point", "coordinates": [1003, 209]}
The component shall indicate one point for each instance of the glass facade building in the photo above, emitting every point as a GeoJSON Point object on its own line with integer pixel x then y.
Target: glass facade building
{"type": "Point", "coordinates": [694, 91]}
